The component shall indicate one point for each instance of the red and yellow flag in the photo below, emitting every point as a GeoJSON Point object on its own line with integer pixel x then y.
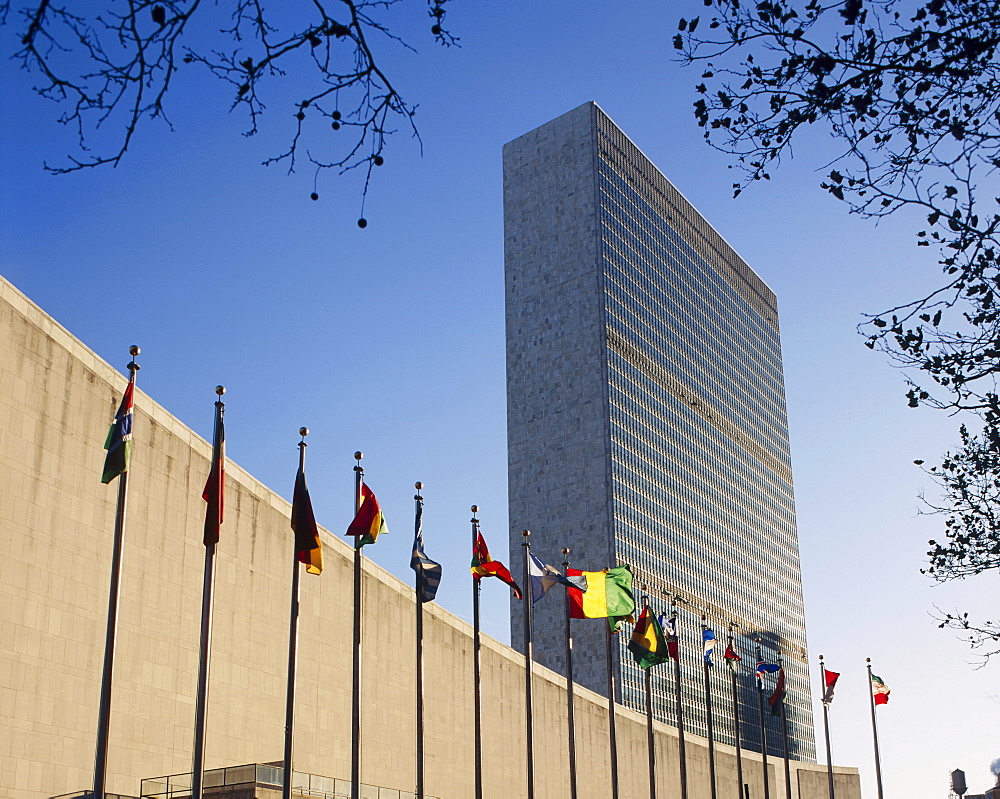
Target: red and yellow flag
{"type": "Point", "coordinates": [484, 566]}
{"type": "Point", "coordinates": [368, 523]}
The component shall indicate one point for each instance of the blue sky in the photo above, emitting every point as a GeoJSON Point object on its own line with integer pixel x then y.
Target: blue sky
{"type": "Point", "coordinates": [391, 340]}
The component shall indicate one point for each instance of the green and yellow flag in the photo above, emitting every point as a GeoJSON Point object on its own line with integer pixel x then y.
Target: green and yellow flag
{"type": "Point", "coordinates": [648, 645]}
{"type": "Point", "coordinates": [608, 595]}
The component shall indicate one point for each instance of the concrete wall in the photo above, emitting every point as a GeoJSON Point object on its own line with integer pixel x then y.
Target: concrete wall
{"type": "Point", "coordinates": [56, 521]}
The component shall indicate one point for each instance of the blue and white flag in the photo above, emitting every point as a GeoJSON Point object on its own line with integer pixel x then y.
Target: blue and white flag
{"type": "Point", "coordinates": [428, 572]}
{"type": "Point", "coordinates": [709, 637]}
{"type": "Point", "coordinates": [763, 667]}
{"type": "Point", "coordinates": [543, 577]}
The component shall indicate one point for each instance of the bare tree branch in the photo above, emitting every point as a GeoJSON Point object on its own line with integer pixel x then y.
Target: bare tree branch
{"type": "Point", "coordinates": [111, 70]}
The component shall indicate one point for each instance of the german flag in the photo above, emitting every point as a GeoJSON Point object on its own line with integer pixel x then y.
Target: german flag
{"type": "Point", "coordinates": [308, 548]}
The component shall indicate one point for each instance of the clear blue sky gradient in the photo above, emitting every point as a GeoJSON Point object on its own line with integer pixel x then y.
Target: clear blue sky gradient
{"type": "Point", "coordinates": [391, 339]}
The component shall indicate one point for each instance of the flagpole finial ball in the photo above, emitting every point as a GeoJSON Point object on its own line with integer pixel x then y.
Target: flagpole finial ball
{"type": "Point", "coordinates": [358, 455]}
{"type": "Point", "coordinates": [868, 660]}
{"type": "Point", "coordinates": [220, 390]}
{"type": "Point", "coordinates": [565, 550]}
{"type": "Point", "coordinates": [303, 431]}
{"type": "Point", "coordinates": [526, 533]}
{"type": "Point", "coordinates": [418, 485]}
{"type": "Point", "coordinates": [474, 509]}
{"type": "Point", "coordinates": [134, 350]}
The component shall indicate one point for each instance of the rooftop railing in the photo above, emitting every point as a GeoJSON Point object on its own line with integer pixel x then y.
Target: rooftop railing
{"type": "Point", "coordinates": [265, 775]}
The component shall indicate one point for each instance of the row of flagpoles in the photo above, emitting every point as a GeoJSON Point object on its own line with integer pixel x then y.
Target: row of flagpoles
{"type": "Point", "coordinates": [605, 594]}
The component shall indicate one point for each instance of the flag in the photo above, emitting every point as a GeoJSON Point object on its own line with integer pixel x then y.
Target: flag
{"type": "Point", "coordinates": [708, 636]}
{"type": "Point", "coordinates": [119, 441]}
{"type": "Point", "coordinates": [880, 690]}
{"type": "Point", "coordinates": [763, 667]}
{"type": "Point", "coordinates": [215, 488]}
{"type": "Point", "coordinates": [648, 646]}
{"type": "Point", "coordinates": [484, 566]}
{"type": "Point", "coordinates": [670, 628]}
{"type": "Point", "coordinates": [428, 572]}
{"type": "Point", "coordinates": [731, 657]}
{"type": "Point", "coordinates": [308, 548]}
{"type": "Point", "coordinates": [608, 595]}
{"type": "Point", "coordinates": [544, 577]}
{"type": "Point", "coordinates": [775, 699]}
{"type": "Point", "coordinates": [831, 682]}
{"type": "Point", "coordinates": [368, 523]}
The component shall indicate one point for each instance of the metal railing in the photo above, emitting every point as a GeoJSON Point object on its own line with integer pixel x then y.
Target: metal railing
{"type": "Point", "coordinates": [177, 786]}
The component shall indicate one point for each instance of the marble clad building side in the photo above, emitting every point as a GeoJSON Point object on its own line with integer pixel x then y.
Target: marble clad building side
{"type": "Point", "coordinates": [56, 522]}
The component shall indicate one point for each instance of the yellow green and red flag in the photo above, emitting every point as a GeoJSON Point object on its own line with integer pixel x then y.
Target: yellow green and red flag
{"type": "Point", "coordinates": [608, 595]}
{"type": "Point", "coordinates": [648, 645]}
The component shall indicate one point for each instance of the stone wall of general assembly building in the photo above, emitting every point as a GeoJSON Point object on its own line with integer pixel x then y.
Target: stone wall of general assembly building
{"type": "Point", "coordinates": [56, 521]}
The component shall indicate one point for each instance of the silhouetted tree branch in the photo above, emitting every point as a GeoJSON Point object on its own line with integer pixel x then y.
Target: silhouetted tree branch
{"type": "Point", "coordinates": [910, 93]}
{"type": "Point", "coordinates": [111, 66]}
{"type": "Point", "coordinates": [984, 635]}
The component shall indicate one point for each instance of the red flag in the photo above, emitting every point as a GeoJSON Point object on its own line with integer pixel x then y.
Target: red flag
{"type": "Point", "coordinates": [775, 699]}
{"type": "Point", "coordinates": [215, 488]}
{"type": "Point", "coordinates": [484, 566]}
{"type": "Point", "coordinates": [831, 682]}
{"type": "Point", "coordinates": [731, 657]}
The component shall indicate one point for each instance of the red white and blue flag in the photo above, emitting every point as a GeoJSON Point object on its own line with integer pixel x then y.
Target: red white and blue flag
{"type": "Point", "coordinates": [670, 630]}
{"type": "Point", "coordinates": [763, 667]}
{"type": "Point", "coordinates": [708, 636]}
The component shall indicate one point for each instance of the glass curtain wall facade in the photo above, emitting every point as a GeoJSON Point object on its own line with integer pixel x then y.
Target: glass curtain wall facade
{"type": "Point", "coordinates": [647, 425]}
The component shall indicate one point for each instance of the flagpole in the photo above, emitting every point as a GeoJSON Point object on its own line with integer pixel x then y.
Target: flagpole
{"type": "Point", "coordinates": [784, 732]}
{"type": "Point", "coordinates": [359, 476]}
{"type": "Point", "coordinates": [293, 640]}
{"type": "Point", "coordinates": [763, 731]}
{"type": "Point", "coordinates": [826, 727]}
{"type": "Point", "coordinates": [736, 719]}
{"type": "Point", "coordinates": [419, 500]}
{"type": "Point", "coordinates": [111, 631]}
{"type": "Point", "coordinates": [612, 728]}
{"type": "Point", "coordinates": [528, 659]}
{"type": "Point", "coordinates": [878, 762]}
{"type": "Point", "coordinates": [708, 710]}
{"type": "Point", "coordinates": [476, 665]}
{"type": "Point", "coordinates": [682, 749]}
{"type": "Point", "coordinates": [650, 735]}
{"type": "Point", "coordinates": [207, 604]}
{"type": "Point", "coordinates": [570, 713]}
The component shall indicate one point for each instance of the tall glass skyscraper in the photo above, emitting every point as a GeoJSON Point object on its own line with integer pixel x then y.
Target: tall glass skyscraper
{"type": "Point", "coordinates": [647, 423]}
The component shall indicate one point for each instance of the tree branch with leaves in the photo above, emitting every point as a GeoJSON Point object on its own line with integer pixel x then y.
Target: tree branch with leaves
{"type": "Point", "coordinates": [910, 94]}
